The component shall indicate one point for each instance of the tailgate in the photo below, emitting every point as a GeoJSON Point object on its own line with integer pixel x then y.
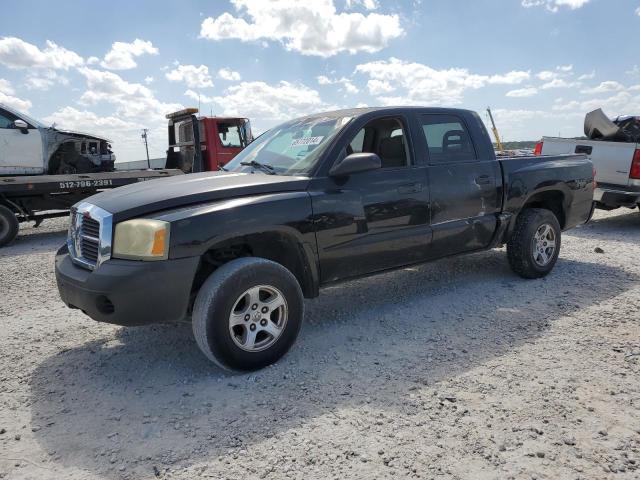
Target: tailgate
{"type": "Point", "coordinates": [612, 160]}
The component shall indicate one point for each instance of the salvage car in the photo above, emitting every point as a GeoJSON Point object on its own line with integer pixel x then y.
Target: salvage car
{"type": "Point", "coordinates": [313, 201]}
{"type": "Point", "coordinates": [28, 147]}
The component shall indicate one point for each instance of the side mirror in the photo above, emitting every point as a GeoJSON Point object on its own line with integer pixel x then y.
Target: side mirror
{"type": "Point", "coordinates": [21, 125]}
{"type": "Point", "coordinates": [356, 163]}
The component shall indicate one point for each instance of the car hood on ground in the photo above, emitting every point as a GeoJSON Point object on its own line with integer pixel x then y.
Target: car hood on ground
{"type": "Point", "coordinates": [155, 195]}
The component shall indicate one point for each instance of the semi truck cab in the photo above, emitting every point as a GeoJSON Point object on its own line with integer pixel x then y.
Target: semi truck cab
{"type": "Point", "coordinates": [220, 139]}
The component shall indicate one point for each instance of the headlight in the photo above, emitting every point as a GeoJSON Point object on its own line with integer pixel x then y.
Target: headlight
{"type": "Point", "coordinates": [141, 239]}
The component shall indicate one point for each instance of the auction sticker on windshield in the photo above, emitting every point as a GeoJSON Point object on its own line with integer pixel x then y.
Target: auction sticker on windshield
{"type": "Point", "coordinates": [299, 142]}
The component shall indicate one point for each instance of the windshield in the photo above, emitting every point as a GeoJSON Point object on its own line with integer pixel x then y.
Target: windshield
{"type": "Point", "coordinates": [291, 148]}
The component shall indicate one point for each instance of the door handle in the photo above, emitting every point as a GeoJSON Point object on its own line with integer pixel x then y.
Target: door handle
{"type": "Point", "coordinates": [410, 188]}
{"type": "Point", "coordinates": [483, 180]}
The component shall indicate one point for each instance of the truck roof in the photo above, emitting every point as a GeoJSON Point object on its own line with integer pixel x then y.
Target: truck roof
{"type": "Point", "coordinates": [356, 112]}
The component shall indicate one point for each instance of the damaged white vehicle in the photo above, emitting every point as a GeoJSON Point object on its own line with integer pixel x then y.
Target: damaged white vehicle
{"type": "Point", "coordinates": [27, 147]}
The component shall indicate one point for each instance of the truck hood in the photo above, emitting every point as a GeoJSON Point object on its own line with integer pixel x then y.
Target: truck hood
{"type": "Point", "coordinates": [74, 134]}
{"type": "Point", "coordinates": [166, 193]}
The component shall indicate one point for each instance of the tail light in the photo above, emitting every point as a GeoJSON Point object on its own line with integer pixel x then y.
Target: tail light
{"type": "Point", "coordinates": [635, 166]}
{"type": "Point", "coordinates": [595, 183]}
{"type": "Point", "coordinates": [538, 149]}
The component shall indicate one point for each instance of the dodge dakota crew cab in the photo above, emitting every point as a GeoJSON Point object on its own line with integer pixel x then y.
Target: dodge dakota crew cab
{"type": "Point", "coordinates": [313, 201]}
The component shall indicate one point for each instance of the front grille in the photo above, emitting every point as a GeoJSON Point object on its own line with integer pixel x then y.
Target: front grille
{"type": "Point", "coordinates": [89, 250]}
{"type": "Point", "coordinates": [90, 227]}
{"type": "Point", "coordinates": [89, 238]}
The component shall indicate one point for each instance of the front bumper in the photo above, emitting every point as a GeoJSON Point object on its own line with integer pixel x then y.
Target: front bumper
{"type": "Point", "coordinates": [126, 292]}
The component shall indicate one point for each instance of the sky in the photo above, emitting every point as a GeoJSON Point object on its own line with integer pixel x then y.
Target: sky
{"type": "Point", "coordinates": [114, 68]}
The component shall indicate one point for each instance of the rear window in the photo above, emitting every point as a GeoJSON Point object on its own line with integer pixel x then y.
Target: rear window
{"type": "Point", "coordinates": [448, 139]}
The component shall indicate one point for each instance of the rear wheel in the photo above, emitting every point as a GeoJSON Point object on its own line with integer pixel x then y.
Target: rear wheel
{"type": "Point", "coordinates": [248, 314]}
{"type": "Point", "coordinates": [534, 246]}
{"type": "Point", "coordinates": [9, 226]}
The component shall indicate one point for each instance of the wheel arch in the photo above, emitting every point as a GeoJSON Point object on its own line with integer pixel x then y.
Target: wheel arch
{"type": "Point", "coordinates": [282, 245]}
{"type": "Point", "coordinates": [553, 199]}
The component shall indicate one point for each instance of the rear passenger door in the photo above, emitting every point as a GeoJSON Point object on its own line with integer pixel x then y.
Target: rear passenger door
{"type": "Point", "coordinates": [464, 188]}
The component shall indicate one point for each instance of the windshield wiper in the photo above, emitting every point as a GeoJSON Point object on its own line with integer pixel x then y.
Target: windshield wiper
{"type": "Point", "coordinates": [265, 167]}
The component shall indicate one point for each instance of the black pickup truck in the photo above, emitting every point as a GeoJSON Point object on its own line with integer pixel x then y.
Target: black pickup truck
{"type": "Point", "coordinates": [313, 201]}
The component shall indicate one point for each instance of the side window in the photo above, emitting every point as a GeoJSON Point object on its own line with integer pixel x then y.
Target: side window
{"type": "Point", "coordinates": [229, 135]}
{"type": "Point", "coordinates": [357, 144]}
{"type": "Point", "coordinates": [448, 139]}
{"type": "Point", "coordinates": [6, 119]}
{"type": "Point", "coordinates": [385, 137]}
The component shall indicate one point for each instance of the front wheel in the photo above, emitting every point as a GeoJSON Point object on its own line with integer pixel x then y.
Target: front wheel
{"type": "Point", "coordinates": [248, 314]}
{"type": "Point", "coordinates": [534, 245]}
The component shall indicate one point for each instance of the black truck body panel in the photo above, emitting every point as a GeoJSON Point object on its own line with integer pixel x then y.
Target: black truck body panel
{"type": "Point", "coordinates": [341, 228]}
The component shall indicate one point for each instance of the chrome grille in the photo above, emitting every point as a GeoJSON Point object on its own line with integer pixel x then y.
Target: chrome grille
{"type": "Point", "coordinates": [89, 238]}
{"type": "Point", "coordinates": [90, 227]}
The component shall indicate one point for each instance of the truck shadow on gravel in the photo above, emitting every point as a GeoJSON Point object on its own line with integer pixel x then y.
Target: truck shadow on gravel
{"type": "Point", "coordinates": [624, 227]}
{"type": "Point", "coordinates": [146, 398]}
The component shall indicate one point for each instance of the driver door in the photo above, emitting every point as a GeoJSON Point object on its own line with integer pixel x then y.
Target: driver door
{"type": "Point", "coordinates": [19, 152]}
{"type": "Point", "coordinates": [374, 220]}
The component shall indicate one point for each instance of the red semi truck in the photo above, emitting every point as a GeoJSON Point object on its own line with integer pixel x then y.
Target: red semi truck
{"type": "Point", "coordinates": [220, 139]}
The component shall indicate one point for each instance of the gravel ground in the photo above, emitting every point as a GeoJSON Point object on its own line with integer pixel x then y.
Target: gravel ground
{"type": "Point", "coordinates": [456, 369]}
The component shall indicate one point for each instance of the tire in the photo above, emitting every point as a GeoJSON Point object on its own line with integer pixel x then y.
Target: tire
{"type": "Point", "coordinates": [228, 297]}
{"type": "Point", "coordinates": [9, 226]}
{"type": "Point", "coordinates": [528, 257]}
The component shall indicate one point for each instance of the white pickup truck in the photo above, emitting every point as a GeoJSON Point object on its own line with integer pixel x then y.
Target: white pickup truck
{"type": "Point", "coordinates": [617, 166]}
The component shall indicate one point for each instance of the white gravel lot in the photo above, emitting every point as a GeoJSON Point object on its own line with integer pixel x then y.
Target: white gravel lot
{"type": "Point", "coordinates": [453, 370]}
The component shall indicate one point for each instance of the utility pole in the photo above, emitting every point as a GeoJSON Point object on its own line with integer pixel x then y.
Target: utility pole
{"type": "Point", "coordinates": [146, 145]}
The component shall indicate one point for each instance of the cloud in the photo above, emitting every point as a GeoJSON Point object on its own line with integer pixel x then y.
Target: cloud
{"type": "Point", "coordinates": [554, 5]}
{"type": "Point", "coordinates": [192, 76]}
{"type": "Point", "coordinates": [620, 103]}
{"type": "Point", "coordinates": [269, 103]}
{"type": "Point", "coordinates": [310, 28]}
{"type": "Point", "coordinates": [522, 92]}
{"type": "Point", "coordinates": [198, 97]}
{"type": "Point", "coordinates": [149, 80]}
{"type": "Point", "coordinates": [367, 4]}
{"type": "Point", "coordinates": [347, 85]}
{"type": "Point", "coordinates": [522, 124]}
{"type": "Point", "coordinates": [378, 87]}
{"type": "Point", "coordinates": [44, 80]}
{"type": "Point", "coordinates": [133, 100]}
{"type": "Point", "coordinates": [18, 54]}
{"type": "Point", "coordinates": [604, 87]}
{"type": "Point", "coordinates": [228, 74]}
{"type": "Point", "coordinates": [7, 97]}
{"type": "Point", "coordinates": [559, 83]}
{"type": "Point", "coordinates": [419, 83]}
{"type": "Point", "coordinates": [121, 56]}
{"type": "Point", "coordinates": [587, 76]}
